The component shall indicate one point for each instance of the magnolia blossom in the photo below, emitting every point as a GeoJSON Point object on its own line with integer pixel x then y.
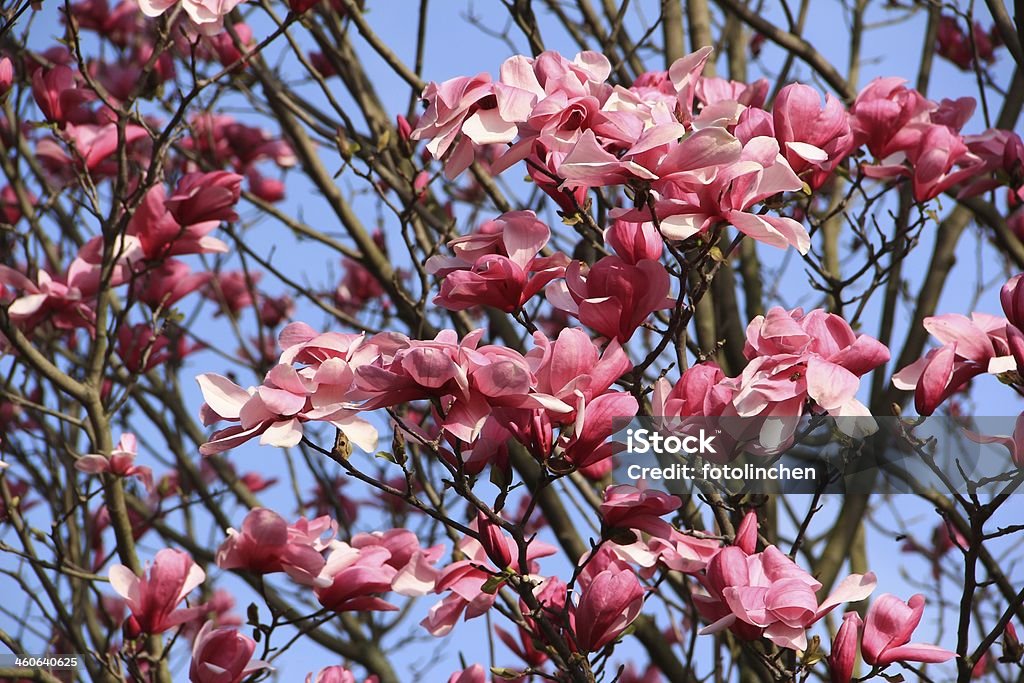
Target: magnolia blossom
{"type": "Point", "coordinates": [205, 198]}
{"type": "Point", "coordinates": [92, 147]}
{"type": "Point", "coordinates": [354, 576]}
{"type": "Point", "coordinates": [120, 462]}
{"type": "Point", "coordinates": [843, 656]}
{"type": "Point", "coordinates": [473, 674]}
{"type": "Point", "coordinates": [768, 594]}
{"type": "Point", "coordinates": [627, 507]}
{"type": "Point", "coordinates": [796, 356]}
{"type": "Point", "coordinates": [888, 626]}
{"type": "Point", "coordinates": [609, 602]}
{"type": "Point", "coordinates": [416, 574]}
{"type": "Point", "coordinates": [208, 15]}
{"type": "Point", "coordinates": [336, 674]}
{"type": "Point", "coordinates": [274, 411]}
{"type": "Point", "coordinates": [153, 599]}
{"type": "Point", "coordinates": [585, 443]}
{"type": "Point", "coordinates": [6, 75]}
{"type": "Point", "coordinates": [223, 655]}
{"type": "Point", "coordinates": [970, 347]}
{"type": "Point", "coordinates": [814, 139]}
{"type": "Point", "coordinates": [163, 232]}
{"type": "Point", "coordinates": [612, 297]}
{"type": "Point", "coordinates": [499, 265]}
{"type": "Point", "coordinates": [268, 544]}
{"type": "Point", "coordinates": [67, 300]}
{"type": "Point", "coordinates": [910, 135]}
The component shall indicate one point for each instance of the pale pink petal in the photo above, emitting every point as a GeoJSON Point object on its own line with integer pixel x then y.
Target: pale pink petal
{"type": "Point", "coordinates": [224, 396]}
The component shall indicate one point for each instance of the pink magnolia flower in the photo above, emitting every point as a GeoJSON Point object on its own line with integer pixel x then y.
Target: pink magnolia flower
{"type": "Point", "coordinates": [141, 349]}
{"type": "Point", "coordinates": [472, 381]}
{"type": "Point", "coordinates": [474, 674]}
{"type": "Point", "coordinates": [796, 356]}
{"type": "Point", "coordinates": [971, 347]}
{"type": "Point", "coordinates": [746, 533]}
{"type": "Point", "coordinates": [205, 197]}
{"type": "Point", "coordinates": [161, 235]}
{"type": "Point", "coordinates": [572, 371]}
{"type": "Point", "coordinates": [612, 297]}
{"type": "Point", "coordinates": [953, 43]}
{"type": "Point", "coordinates": [218, 609]}
{"type": "Point", "coordinates": [711, 91]}
{"type": "Point", "coordinates": [702, 390]}
{"type": "Point", "coordinates": [711, 179]}
{"type": "Point", "coordinates": [10, 207]}
{"type": "Point", "coordinates": [208, 15]}
{"type": "Point", "coordinates": [66, 300]}
{"type": "Point", "coordinates": [153, 599]}
{"type": "Point", "coordinates": [701, 398]}
{"type": "Point", "coordinates": [270, 190]}
{"type": "Point", "coordinates": [635, 242]}
{"type": "Point", "coordinates": [494, 541]}
{"type": "Point", "coordinates": [1014, 443]}
{"type": "Point", "coordinates": [888, 626]}
{"type": "Point", "coordinates": [59, 98]}
{"type": "Point", "coordinates": [168, 283]}
{"type": "Point", "coordinates": [585, 443]}
{"type": "Point", "coordinates": [498, 265]}
{"type": "Point", "coordinates": [910, 135]}
{"type": "Point", "coordinates": [813, 139]}
{"type": "Point", "coordinates": [1002, 159]}
{"type": "Point", "coordinates": [608, 604]}
{"type": "Point", "coordinates": [233, 290]}
{"type": "Point", "coordinates": [627, 507]}
{"type": "Point", "coordinates": [225, 48]}
{"type": "Point", "coordinates": [224, 142]}
{"type": "Point", "coordinates": [267, 544]}
{"type": "Point", "coordinates": [120, 462]}
{"type": "Point", "coordinates": [92, 147]}
{"type": "Point", "coordinates": [336, 674]}
{"type": "Point", "coordinates": [463, 112]}
{"type": "Point", "coordinates": [767, 594]}
{"type": "Point", "coordinates": [686, 553]}
{"type": "Point", "coordinates": [933, 159]}
{"type": "Point", "coordinates": [6, 75]}
{"type": "Point", "coordinates": [416, 574]}
{"type": "Point", "coordinates": [352, 579]}
{"type": "Point", "coordinates": [274, 310]}
{"type": "Point", "coordinates": [332, 674]}
{"type": "Point", "coordinates": [275, 410]}
{"type": "Point", "coordinates": [843, 656]}
{"type": "Point", "coordinates": [222, 655]}
{"type": "Point", "coordinates": [882, 115]}
{"type": "Point", "coordinates": [573, 365]}
{"type": "Point", "coordinates": [589, 164]}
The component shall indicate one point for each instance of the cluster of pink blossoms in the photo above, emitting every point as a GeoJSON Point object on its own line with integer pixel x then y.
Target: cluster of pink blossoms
{"type": "Point", "coordinates": [704, 149]}
{"type": "Point", "coordinates": [794, 358]}
{"type": "Point", "coordinates": [162, 227]}
{"type": "Point", "coordinates": [499, 265]}
{"type": "Point", "coordinates": [343, 576]}
{"type": "Point", "coordinates": [480, 390]}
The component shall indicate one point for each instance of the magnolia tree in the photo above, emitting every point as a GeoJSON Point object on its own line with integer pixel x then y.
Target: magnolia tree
{"type": "Point", "coordinates": [321, 322]}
